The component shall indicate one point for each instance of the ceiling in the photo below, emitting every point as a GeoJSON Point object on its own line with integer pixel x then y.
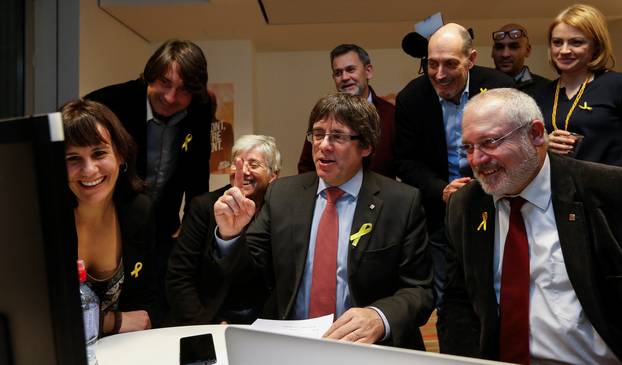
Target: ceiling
{"type": "Point", "coordinates": [289, 25]}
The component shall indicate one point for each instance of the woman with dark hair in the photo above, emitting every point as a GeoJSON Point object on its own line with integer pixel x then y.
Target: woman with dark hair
{"type": "Point", "coordinates": [113, 220]}
{"type": "Point", "coordinates": [583, 107]}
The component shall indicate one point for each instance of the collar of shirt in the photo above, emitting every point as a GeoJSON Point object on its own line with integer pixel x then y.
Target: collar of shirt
{"type": "Point", "coordinates": [174, 120]}
{"type": "Point", "coordinates": [538, 192]}
{"type": "Point", "coordinates": [452, 120]}
{"type": "Point", "coordinates": [523, 76]}
{"type": "Point", "coordinates": [351, 187]}
{"type": "Point", "coordinates": [369, 98]}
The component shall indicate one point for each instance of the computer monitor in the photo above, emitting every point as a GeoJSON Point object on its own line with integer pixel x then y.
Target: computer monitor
{"type": "Point", "coordinates": [40, 313]}
{"type": "Point", "coordinates": [249, 346]}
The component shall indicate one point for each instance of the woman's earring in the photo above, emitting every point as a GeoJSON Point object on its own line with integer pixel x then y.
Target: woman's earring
{"type": "Point", "coordinates": [123, 167]}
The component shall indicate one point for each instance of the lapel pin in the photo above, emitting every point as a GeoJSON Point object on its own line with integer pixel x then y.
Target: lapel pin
{"type": "Point", "coordinates": [371, 206]}
{"type": "Point", "coordinates": [483, 224]}
{"type": "Point", "coordinates": [572, 217]}
{"type": "Point", "coordinates": [137, 268]}
{"type": "Point", "coordinates": [585, 106]}
{"type": "Point", "coordinates": [365, 229]}
{"type": "Point", "coordinates": [187, 140]}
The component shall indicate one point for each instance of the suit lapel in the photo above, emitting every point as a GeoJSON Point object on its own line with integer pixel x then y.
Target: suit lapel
{"type": "Point", "coordinates": [368, 208]}
{"type": "Point", "coordinates": [301, 218]}
{"type": "Point", "coordinates": [574, 237]}
{"type": "Point", "coordinates": [480, 228]}
{"type": "Point", "coordinates": [476, 82]}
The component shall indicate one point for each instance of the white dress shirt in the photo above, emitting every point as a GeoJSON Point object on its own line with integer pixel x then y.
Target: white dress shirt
{"type": "Point", "coordinates": [560, 332]}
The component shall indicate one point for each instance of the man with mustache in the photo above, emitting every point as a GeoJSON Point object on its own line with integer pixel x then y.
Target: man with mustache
{"type": "Point", "coordinates": [511, 47]}
{"type": "Point", "coordinates": [428, 133]}
{"type": "Point", "coordinates": [351, 72]}
{"type": "Point", "coordinates": [534, 266]}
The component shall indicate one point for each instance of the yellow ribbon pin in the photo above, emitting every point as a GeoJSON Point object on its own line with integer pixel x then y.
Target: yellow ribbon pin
{"type": "Point", "coordinates": [137, 268]}
{"type": "Point", "coordinates": [184, 146]}
{"type": "Point", "coordinates": [585, 106]}
{"type": "Point", "coordinates": [482, 89]}
{"type": "Point", "coordinates": [365, 229]}
{"type": "Point", "coordinates": [483, 224]}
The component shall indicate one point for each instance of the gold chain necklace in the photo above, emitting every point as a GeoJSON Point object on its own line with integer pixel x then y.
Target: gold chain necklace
{"type": "Point", "coordinates": [574, 104]}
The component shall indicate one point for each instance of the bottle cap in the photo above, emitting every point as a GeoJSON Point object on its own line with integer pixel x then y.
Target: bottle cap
{"type": "Point", "coordinates": [81, 271]}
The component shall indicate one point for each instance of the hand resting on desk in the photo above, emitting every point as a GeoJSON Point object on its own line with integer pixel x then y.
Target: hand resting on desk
{"type": "Point", "coordinates": [362, 325]}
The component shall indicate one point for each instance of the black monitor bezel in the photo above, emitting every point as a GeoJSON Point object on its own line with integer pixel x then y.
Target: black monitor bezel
{"type": "Point", "coordinates": [58, 229]}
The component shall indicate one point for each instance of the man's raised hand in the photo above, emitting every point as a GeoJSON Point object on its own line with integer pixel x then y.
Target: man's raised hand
{"type": "Point", "coordinates": [233, 211]}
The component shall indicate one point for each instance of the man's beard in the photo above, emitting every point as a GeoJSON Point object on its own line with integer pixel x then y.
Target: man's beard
{"type": "Point", "coordinates": [507, 182]}
{"type": "Point", "coordinates": [358, 92]}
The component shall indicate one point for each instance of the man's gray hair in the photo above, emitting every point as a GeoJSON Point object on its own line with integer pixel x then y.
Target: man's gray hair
{"type": "Point", "coordinates": [518, 107]}
{"type": "Point", "coordinates": [264, 144]}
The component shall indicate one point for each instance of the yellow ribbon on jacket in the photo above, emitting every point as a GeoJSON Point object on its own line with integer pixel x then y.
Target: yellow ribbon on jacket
{"type": "Point", "coordinates": [187, 140]}
{"type": "Point", "coordinates": [137, 268]}
{"type": "Point", "coordinates": [585, 106]}
{"type": "Point", "coordinates": [483, 224]}
{"type": "Point", "coordinates": [365, 229]}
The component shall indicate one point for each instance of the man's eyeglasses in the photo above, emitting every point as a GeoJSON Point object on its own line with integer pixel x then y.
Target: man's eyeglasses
{"type": "Point", "coordinates": [252, 164]}
{"type": "Point", "coordinates": [317, 136]}
{"type": "Point", "coordinates": [512, 33]}
{"type": "Point", "coordinates": [488, 145]}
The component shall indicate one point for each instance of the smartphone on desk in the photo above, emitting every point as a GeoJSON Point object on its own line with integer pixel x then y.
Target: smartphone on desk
{"type": "Point", "coordinates": [197, 350]}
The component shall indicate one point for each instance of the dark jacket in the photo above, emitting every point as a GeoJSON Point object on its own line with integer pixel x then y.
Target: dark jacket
{"type": "Point", "coordinates": [129, 102]}
{"type": "Point", "coordinates": [389, 268]}
{"type": "Point", "coordinates": [590, 243]}
{"type": "Point", "coordinates": [531, 86]}
{"type": "Point", "coordinates": [138, 240]}
{"type": "Point", "coordinates": [197, 291]}
{"type": "Point", "coordinates": [421, 147]}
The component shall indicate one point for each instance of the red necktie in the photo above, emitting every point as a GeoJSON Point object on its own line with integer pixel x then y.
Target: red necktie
{"type": "Point", "coordinates": [514, 303]}
{"type": "Point", "coordinates": [324, 279]}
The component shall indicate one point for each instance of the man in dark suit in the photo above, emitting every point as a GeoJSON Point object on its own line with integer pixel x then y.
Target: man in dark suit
{"type": "Point", "coordinates": [374, 274]}
{"type": "Point", "coordinates": [537, 282]}
{"type": "Point", "coordinates": [351, 72]}
{"type": "Point", "coordinates": [197, 291]}
{"type": "Point", "coordinates": [167, 112]}
{"type": "Point", "coordinates": [511, 47]}
{"type": "Point", "coordinates": [428, 115]}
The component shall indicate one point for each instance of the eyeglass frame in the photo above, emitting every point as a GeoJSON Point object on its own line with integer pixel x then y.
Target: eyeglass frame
{"type": "Point", "coordinates": [331, 137]}
{"type": "Point", "coordinates": [508, 33]}
{"type": "Point", "coordinates": [491, 143]}
{"type": "Point", "coordinates": [252, 164]}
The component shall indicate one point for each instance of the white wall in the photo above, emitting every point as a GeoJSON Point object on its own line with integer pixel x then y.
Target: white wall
{"type": "Point", "coordinates": [109, 52]}
{"type": "Point", "coordinates": [615, 30]}
{"type": "Point", "coordinates": [274, 91]}
{"type": "Point", "coordinates": [289, 84]}
{"type": "Point", "coordinates": [233, 62]}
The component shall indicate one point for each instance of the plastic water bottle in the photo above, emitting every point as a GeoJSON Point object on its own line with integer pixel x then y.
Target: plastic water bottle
{"type": "Point", "coordinates": [90, 313]}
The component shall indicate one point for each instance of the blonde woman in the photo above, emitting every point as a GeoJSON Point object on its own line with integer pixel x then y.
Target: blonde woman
{"type": "Point", "coordinates": [583, 107]}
